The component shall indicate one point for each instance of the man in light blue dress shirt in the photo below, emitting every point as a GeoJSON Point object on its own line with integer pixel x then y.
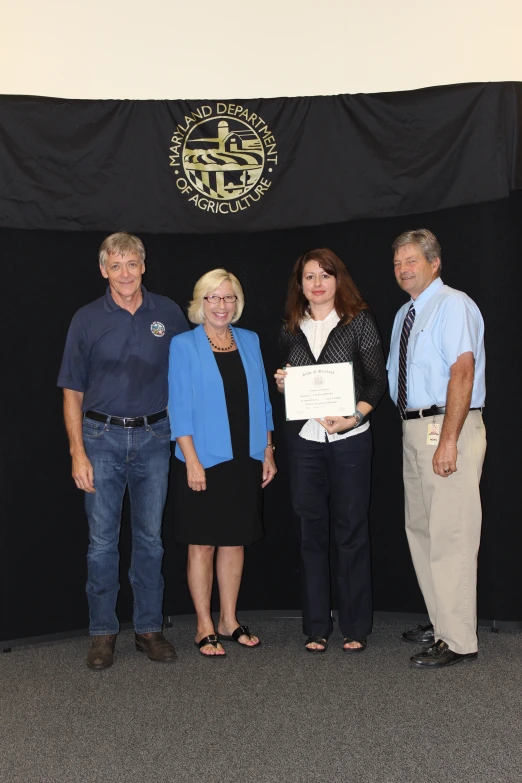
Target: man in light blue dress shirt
{"type": "Point", "coordinates": [436, 372]}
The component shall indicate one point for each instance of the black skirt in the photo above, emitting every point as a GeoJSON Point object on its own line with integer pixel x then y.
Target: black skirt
{"type": "Point", "coordinates": [229, 511]}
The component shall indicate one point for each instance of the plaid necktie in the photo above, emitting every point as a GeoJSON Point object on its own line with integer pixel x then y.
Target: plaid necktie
{"type": "Point", "coordinates": [402, 395]}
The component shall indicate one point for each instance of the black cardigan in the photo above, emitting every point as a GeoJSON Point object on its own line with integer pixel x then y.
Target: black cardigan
{"type": "Point", "coordinates": [357, 341]}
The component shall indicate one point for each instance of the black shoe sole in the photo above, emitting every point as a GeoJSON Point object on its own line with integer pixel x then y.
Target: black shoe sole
{"type": "Point", "coordinates": [423, 642]}
{"type": "Point", "coordinates": [444, 665]}
{"type": "Point", "coordinates": [101, 668]}
{"type": "Point", "coordinates": [240, 644]}
{"type": "Point", "coordinates": [143, 649]}
{"type": "Point", "coordinates": [212, 655]}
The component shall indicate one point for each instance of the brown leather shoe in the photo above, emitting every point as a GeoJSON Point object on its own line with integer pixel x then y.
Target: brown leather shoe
{"type": "Point", "coordinates": [101, 653]}
{"type": "Point", "coordinates": [156, 647]}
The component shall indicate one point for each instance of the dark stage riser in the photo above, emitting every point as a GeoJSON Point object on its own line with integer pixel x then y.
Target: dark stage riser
{"type": "Point", "coordinates": [49, 275]}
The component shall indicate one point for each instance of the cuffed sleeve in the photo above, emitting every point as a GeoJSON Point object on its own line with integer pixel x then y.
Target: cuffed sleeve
{"type": "Point", "coordinates": [372, 361]}
{"type": "Point", "coordinates": [180, 390]}
{"type": "Point", "coordinates": [268, 404]}
{"type": "Point", "coordinates": [462, 330]}
{"type": "Point", "coordinates": [74, 369]}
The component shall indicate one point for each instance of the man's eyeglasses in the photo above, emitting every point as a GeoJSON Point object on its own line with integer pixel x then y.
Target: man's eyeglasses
{"type": "Point", "coordinates": [213, 299]}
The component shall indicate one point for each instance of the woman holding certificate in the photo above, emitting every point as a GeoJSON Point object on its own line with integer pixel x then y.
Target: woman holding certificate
{"type": "Point", "coordinates": [328, 322]}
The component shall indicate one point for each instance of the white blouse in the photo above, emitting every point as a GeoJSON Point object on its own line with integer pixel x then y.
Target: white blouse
{"type": "Point", "coordinates": [316, 332]}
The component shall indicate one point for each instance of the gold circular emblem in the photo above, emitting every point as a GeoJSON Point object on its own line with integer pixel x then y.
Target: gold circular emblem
{"type": "Point", "coordinates": [223, 156]}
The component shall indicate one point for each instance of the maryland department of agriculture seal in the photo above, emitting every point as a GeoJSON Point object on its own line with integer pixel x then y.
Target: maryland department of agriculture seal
{"type": "Point", "coordinates": [223, 156]}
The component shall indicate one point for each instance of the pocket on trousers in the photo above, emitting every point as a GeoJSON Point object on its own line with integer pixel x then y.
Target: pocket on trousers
{"type": "Point", "coordinates": [160, 430]}
{"type": "Point", "coordinates": [92, 429]}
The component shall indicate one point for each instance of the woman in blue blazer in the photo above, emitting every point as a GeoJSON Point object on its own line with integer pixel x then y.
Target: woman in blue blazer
{"type": "Point", "coordinates": [221, 419]}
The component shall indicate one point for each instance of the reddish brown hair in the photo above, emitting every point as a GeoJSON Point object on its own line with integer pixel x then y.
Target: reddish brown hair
{"type": "Point", "coordinates": [348, 301]}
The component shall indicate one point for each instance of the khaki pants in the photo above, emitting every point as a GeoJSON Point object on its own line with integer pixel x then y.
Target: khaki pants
{"type": "Point", "coordinates": [443, 522]}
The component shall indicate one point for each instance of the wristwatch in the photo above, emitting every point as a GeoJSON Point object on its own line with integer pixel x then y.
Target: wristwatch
{"type": "Point", "coordinates": [270, 446]}
{"type": "Point", "coordinates": [359, 417]}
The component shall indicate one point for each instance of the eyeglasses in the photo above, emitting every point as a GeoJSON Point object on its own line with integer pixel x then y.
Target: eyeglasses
{"type": "Point", "coordinates": [213, 299]}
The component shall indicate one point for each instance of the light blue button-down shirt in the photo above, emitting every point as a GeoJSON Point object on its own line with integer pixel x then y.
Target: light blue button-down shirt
{"type": "Point", "coordinates": [447, 324]}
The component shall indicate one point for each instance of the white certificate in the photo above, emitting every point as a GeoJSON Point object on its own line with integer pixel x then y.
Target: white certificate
{"type": "Point", "coordinates": [319, 390]}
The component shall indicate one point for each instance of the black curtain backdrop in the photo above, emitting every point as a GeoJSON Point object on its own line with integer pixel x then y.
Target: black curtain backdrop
{"type": "Point", "coordinates": [253, 165]}
{"type": "Point", "coordinates": [48, 275]}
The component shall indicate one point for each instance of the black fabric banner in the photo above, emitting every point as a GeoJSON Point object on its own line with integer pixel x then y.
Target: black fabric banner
{"type": "Point", "coordinates": [254, 165]}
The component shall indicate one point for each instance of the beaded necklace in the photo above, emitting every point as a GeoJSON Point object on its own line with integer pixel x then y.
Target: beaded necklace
{"type": "Point", "coordinates": [217, 347]}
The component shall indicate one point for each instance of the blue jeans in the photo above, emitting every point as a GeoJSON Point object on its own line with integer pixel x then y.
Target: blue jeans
{"type": "Point", "coordinates": [137, 458]}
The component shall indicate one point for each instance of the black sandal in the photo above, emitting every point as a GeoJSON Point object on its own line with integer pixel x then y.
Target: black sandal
{"type": "Point", "coordinates": [241, 630]}
{"type": "Point", "coordinates": [362, 642]}
{"type": "Point", "coordinates": [317, 640]}
{"type": "Point", "coordinates": [211, 639]}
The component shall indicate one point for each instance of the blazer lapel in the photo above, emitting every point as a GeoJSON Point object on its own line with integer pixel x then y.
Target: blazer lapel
{"type": "Point", "coordinates": [256, 401]}
{"type": "Point", "coordinates": [217, 430]}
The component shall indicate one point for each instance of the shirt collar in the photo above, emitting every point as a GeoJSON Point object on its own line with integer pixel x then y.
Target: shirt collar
{"type": "Point", "coordinates": [426, 295]}
{"type": "Point", "coordinates": [332, 316]}
{"type": "Point", "coordinates": [111, 306]}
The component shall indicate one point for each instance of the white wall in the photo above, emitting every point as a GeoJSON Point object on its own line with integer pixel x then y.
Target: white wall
{"type": "Point", "coordinates": [241, 49]}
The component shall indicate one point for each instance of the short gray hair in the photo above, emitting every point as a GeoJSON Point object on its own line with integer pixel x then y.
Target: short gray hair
{"type": "Point", "coordinates": [209, 282]}
{"type": "Point", "coordinates": [424, 239]}
{"type": "Point", "coordinates": [122, 243]}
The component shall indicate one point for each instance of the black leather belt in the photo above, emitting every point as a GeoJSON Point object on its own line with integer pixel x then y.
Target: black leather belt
{"type": "Point", "coordinates": [137, 421]}
{"type": "Point", "coordinates": [424, 413]}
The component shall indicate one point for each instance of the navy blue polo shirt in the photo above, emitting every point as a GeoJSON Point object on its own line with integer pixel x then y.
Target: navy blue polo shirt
{"type": "Point", "coordinates": [118, 360]}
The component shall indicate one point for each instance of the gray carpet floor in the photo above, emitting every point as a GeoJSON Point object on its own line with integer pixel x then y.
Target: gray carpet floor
{"type": "Point", "coordinates": [272, 714]}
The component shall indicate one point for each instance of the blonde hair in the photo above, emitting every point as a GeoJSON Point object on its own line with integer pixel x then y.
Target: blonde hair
{"type": "Point", "coordinates": [121, 244]}
{"type": "Point", "coordinates": [208, 283]}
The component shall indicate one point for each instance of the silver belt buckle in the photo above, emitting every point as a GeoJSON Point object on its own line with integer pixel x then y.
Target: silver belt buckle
{"type": "Point", "coordinates": [125, 425]}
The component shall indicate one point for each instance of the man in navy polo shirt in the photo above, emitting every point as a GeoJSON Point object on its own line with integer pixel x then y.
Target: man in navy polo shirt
{"type": "Point", "coordinates": [114, 380]}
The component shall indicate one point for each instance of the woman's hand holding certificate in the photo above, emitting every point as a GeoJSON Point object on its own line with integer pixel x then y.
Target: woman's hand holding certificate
{"type": "Point", "coordinates": [338, 424]}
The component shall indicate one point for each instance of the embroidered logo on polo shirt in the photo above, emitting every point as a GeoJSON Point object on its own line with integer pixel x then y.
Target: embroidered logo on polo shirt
{"type": "Point", "coordinates": [157, 329]}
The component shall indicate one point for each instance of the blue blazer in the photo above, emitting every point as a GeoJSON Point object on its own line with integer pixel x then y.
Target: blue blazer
{"type": "Point", "coordinates": [197, 404]}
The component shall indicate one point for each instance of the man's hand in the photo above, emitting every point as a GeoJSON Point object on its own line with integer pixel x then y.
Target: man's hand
{"type": "Point", "coordinates": [445, 459]}
{"type": "Point", "coordinates": [196, 476]}
{"type": "Point", "coordinates": [269, 467]}
{"type": "Point", "coordinates": [82, 472]}
{"type": "Point", "coordinates": [333, 424]}
{"type": "Point", "coordinates": [458, 401]}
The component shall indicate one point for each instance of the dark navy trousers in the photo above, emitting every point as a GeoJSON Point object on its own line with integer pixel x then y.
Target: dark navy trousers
{"type": "Point", "coordinates": [330, 487]}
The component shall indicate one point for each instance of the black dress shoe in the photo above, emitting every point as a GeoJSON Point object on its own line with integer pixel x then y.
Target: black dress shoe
{"type": "Point", "coordinates": [422, 634]}
{"type": "Point", "coordinates": [439, 655]}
